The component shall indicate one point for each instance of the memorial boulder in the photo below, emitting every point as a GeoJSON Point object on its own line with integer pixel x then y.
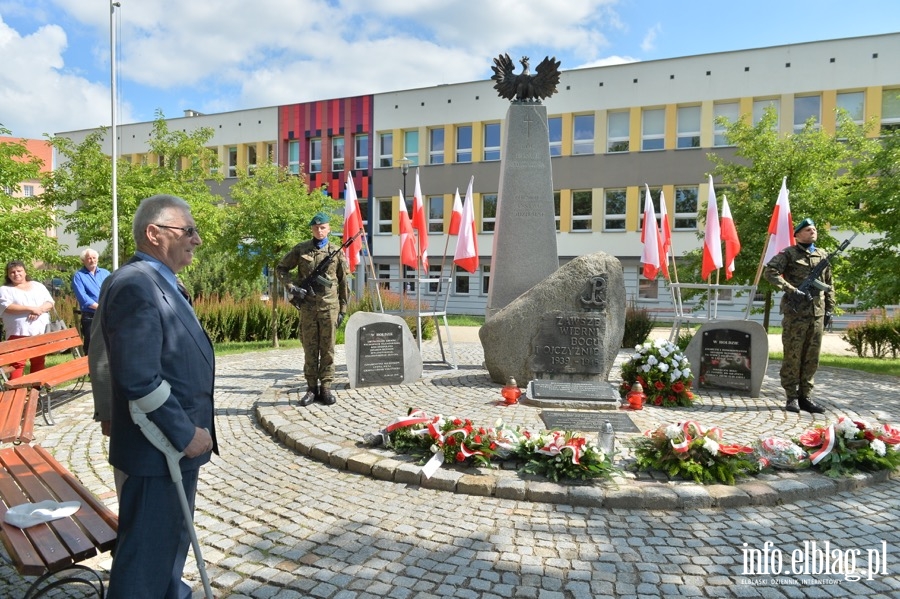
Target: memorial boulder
{"type": "Point", "coordinates": [568, 327]}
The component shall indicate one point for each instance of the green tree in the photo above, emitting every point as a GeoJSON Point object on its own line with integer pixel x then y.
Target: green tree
{"type": "Point", "coordinates": [271, 214]}
{"type": "Point", "coordinates": [872, 269]}
{"type": "Point", "coordinates": [24, 221]}
{"type": "Point", "coordinates": [820, 179]}
{"type": "Point", "coordinates": [83, 182]}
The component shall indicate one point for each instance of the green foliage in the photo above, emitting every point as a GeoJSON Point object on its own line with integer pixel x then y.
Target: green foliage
{"type": "Point", "coordinates": [563, 455]}
{"type": "Point", "coordinates": [24, 221]}
{"type": "Point", "coordinates": [207, 276]}
{"type": "Point", "coordinates": [638, 324]}
{"type": "Point", "coordinates": [393, 302]}
{"type": "Point", "coordinates": [878, 336]}
{"type": "Point", "coordinates": [226, 319]}
{"type": "Point", "coordinates": [857, 445]}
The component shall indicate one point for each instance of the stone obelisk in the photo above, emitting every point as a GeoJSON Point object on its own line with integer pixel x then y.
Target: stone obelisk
{"type": "Point", "coordinates": [524, 250]}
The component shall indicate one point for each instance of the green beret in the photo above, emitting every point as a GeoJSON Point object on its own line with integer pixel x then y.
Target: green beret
{"type": "Point", "coordinates": [806, 222]}
{"type": "Point", "coordinates": [319, 219]}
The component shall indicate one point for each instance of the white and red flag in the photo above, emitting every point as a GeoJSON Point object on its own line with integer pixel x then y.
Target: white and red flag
{"type": "Point", "coordinates": [407, 237]}
{"type": "Point", "coordinates": [665, 235]}
{"type": "Point", "coordinates": [650, 239]}
{"type": "Point", "coordinates": [781, 227]}
{"type": "Point", "coordinates": [712, 241]}
{"type": "Point", "coordinates": [420, 223]}
{"type": "Point", "coordinates": [466, 255]}
{"type": "Point", "coordinates": [352, 224]}
{"type": "Point", "coordinates": [456, 215]}
{"type": "Point", "coordinates": [730, 237]}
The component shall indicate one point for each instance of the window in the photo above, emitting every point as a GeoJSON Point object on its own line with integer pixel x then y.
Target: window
{"type": "Point", "coordinates": [28, 191]}
{"type": "Point", "coordinates": [385, 216]}
{"type": "Point", "coordinates": [854, 104]}
{"type": "Point", "coordinates": [890, 110]}
{"type": "Point", "coordinates": [386, 150]}
{"type": "Point", "coordinates": [436, 146]}
{"type": "Point", "coordinates": [270, 153]}
{"type": "Point", "coordinates": [294, 157]}
{"type": "Point", "coordinates": [435, 207]}
{"type": "Point", "coordinates": [384, 272]}
{"type": "Point", "coordinates": [685, 217]}
{"type": "Point", "coordinates": [361, 152]}
{"type": "Point", "coordinates": [688, 127]}
{"type": "Point", "coordinates": [461, 286]}
{"type": "Point", "coordinates": [434, 272]}
{"type": "Point", "coordinates": [485, 279]}
{"type": "Point", "coordinates": [364, 212]}
{"type": "Point", "coordinates": [315, 155]}
{"type": "Point", "coordinates": [614, 210]}
{"type": "Point", "coordinates": [653, 133]}
{"type": "Point", "coordinates": [232, 161]}
{"type": "Point", "coordinates": [759, 109]}
{"type": "Point", "coordinates": [617, 132]}
{"type": "Point", "coordinates": [583, 134]}
{"type": "Point", "coordinates": [411, 147]}
{"type": "Point", "coordinates": [492, 141]}
{"type": "Point", "coordinates": [488, 212]}
{"type": "Point", "coordinates": [337, 154]}
{"type": "Point", "coordinates": [556, 209]}
{"type": "Point", "coordinates": [251, 159]}
{"type": "Point", "coordinates": [726, 110]}
{"type": "Point", "coordinates": [806, 108]}
{"type": "Point", "coordinates": [554, 127]}
{"type": "Point", "coordinates": [464, 143]}
{"type": "Point", "coordinates": [581, 210]}
{"type": "Point", "coordinates": [647, 288]}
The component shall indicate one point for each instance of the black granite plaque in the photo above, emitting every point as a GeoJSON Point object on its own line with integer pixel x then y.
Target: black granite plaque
{"type": "Point", "coordinates": [380, 354]}
{"type": "Point", "coordinates": [570, 343]}
{"type": "Point", "coordinates": [583, 390]}
{"type": "Point", "coordinates": [587, 422]}
{"type": "Point", "coordinates": [725, 359]}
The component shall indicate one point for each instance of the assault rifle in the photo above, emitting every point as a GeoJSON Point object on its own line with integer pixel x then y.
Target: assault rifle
{"type": "Point", "coordinates": [812, 281]}
{"type": "Point", "coordinates": [299, 292]}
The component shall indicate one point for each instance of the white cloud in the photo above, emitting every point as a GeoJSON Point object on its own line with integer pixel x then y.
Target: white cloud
{"type": "Point", "coordinates": [649, 42]}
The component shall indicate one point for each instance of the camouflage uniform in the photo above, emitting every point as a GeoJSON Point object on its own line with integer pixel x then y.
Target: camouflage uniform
{"type": "Point", "coordinates": [319, 312]}
{"type": "Point", "coordinates": [803, 321]}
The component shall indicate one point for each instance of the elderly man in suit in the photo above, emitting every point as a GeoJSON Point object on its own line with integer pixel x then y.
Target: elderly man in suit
{"type": "Point", "coordinates": [160, 359]}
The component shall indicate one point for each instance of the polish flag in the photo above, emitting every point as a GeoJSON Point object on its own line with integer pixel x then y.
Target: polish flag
{"type": "Point", "coordinates": [420, 223]}
{"type": "Point", "coordinates": [407, 237]}
{"type": "Point", "coordinates": [456, 216]}
{"type": "Point", "coordinates": [352, 225]}
{"type": "Point", "coordinates": [712, 241]}
{"type": "Point", "coordinates": [730, 237]}
{"type": "Point", "coordinates": [665, 235]}
{"type": "Point", "coordinates": [650, 239]}
{"type": "Point", "coordinates": [781, 227]}
{"type": "Point", "coordinates": [466, 256]}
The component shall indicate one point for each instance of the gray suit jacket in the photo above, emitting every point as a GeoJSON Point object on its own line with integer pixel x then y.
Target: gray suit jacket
{"type": "Point", "coordinates": [152, 335]}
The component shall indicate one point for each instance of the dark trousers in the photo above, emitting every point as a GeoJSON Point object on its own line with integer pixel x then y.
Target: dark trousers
{"type": "Point", "coordinates": [153, 540]}
{"type": "Point", "coordinates": [86, 319]}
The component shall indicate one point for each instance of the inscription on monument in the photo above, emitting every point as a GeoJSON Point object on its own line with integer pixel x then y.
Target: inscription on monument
{"type": "Point", "coordinates": [584, 390]}
{"type": "Point", "coordinates": [380, 354]}
{"type": "Point", "coordinates": [587, 422]}
{"type": "Point", "coordinates": [725, 359]}
{"type": "Point", "coordinates": [570, 343]}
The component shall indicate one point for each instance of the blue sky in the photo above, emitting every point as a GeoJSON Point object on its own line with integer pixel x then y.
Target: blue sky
{"type": "Point", "coordinates": [235, 54]}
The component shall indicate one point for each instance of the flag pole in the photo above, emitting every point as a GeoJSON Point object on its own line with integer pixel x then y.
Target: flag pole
{"type": "Point", "coordinates": [761, 258]}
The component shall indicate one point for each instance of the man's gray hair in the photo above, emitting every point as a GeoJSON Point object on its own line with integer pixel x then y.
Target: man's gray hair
{"type": "Point", "coordinates": [152, 210]}
{"type": "Point", "coordinates": [86, 251]}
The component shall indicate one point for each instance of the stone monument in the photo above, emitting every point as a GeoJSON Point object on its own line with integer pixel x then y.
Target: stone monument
{"type": "Point", "coordinates": [380, 350]}
{"type": "Point", "coordinates": [730, 355]}
{"type": "Point", "coordinates": [524, 250]}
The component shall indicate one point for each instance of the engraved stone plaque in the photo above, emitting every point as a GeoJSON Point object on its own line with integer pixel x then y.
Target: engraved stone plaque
{"type": "Point", "coordinates": [380, 354]}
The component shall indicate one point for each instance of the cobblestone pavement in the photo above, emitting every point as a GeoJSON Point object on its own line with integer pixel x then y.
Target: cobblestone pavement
{"type": "Point", "coordinates": [287, 514]}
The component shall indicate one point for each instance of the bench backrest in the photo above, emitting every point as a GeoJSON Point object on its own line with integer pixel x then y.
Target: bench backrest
{"type": "Point", "coordinates": [24, 348]}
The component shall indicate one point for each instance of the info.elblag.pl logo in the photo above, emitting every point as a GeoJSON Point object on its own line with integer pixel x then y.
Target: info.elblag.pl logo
{"type": "Point", "coordinates": [816, 558]}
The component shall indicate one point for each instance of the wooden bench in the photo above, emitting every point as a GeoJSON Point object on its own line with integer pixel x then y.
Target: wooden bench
{"type": "Point", "coordinates": [25, 348]}
{"type": "Point", "coordinates": [52, 551]}
{"type": "Point", "coordinates": [17, 409]}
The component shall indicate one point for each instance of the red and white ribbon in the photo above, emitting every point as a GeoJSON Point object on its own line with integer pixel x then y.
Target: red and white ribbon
{"type": "Point", "coordinates": [827, 445]}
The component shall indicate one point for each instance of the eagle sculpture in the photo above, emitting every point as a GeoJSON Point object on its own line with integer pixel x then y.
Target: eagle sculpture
{"type": "Point", "coordinates": [525, 87]}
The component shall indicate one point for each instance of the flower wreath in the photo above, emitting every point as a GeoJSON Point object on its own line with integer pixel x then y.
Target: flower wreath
{"type": "Point", "coordinates": [663, 371]}
{"type": "Point", "coordinates": [849, 445]}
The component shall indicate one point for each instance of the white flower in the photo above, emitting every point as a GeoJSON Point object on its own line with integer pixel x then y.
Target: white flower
{"type": "Point", "coordinates": [636, 357]}
{"type": "Point", "coordinates": [645, 368]}
{"type": "Point", "coordinates": [664, 352]}
{"type": "Point", "coordinates": [711, 446]}
{"type": "Point", "coordinates": [652, 361]}
{"type": "Point", "coordinates": [878, 447]}
{"type": "Point", "coordinates": [673, 431]}
{"type": "Point", "coordinates": [686, 372]}
{"type": "Point", "coordinates": [846, 427]}
{"type": "Point", "coordinates": [675, 375]}
{"type": "Point", "coordinates": [664, 367]}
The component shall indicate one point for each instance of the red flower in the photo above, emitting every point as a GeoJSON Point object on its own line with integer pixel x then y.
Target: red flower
{"type": "Point", "coordinates": [812, 438]}
{"type": "Point", "coordinates": [460, 457]}
{"type": "Point", "coordinates": [451, 440]}
{"type": "Point", "coordinates": [890, 434]}
{"type": "Point", "coordinates": [677, 386]}
{"type": "Point", "coordinates": [734, 449]}
{"type": "Point", "coordinates": [659, 385]}
{"type": "Point", "coordinates": [493, 446]}
{"type": "Point", "coordinates": [657, 401]}
{"type": "Point", "coordinates": [478, 439]}
{"type": "Point", "coordinates": [457, 422]}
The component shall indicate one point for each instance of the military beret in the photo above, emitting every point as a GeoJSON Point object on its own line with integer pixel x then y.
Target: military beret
{"type": "Point", "coordinates": [319, 219]}
{"type": "Point", "coordinates": [806, 222]}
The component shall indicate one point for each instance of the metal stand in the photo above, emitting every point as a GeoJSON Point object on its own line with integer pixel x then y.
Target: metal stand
{"type": "Point", "coordinates": [711, 314]}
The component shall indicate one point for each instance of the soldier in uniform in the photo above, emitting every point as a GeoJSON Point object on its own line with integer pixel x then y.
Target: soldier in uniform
{"type": "Point", "coordinates": [803, 319]}
{"type": "Point", "coordinates": [322, 306]}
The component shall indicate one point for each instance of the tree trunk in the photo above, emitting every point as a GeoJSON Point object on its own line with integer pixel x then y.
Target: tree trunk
{"type": "Point", "coordinates": [767, 309]}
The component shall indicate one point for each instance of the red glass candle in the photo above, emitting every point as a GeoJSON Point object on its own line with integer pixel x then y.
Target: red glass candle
{"type": "Point", "coordinates": [511, 392]}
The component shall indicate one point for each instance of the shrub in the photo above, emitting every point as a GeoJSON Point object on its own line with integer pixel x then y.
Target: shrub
{"type": "Point", "coordinates": [879, 336]}
{"type": "Point", "coordinates": [638, 324]}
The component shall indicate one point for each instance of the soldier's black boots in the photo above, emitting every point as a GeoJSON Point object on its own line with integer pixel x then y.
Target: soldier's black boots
{"type": "Point", "coordinates": [792, 406]}
{"type": "Point", "coordinates": [308, 398]}
{"type": "Point", "coordinates": [327, 397]}
{"type": "Point", "coordinates": [807, 405]}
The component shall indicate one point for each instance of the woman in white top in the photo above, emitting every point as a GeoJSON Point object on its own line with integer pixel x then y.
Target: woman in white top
{"type": "Point", "coordinates": [25, 307]}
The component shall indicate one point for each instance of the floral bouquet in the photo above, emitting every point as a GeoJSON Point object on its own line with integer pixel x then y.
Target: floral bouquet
{"type": "Point", "coordinates": [663, 371]}
{"type": "Point", "coordinates": [783, 454]}
{"type": "Point", "coordinates": [689, 451]}
{"type": "Point", "coordinates": [849, 445]}
{"type": "Point", "coordinates": [558, 454]}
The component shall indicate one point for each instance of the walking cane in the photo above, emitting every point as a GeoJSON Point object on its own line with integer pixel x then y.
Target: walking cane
{"type": "Point", "coordinates": [173, 456]}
